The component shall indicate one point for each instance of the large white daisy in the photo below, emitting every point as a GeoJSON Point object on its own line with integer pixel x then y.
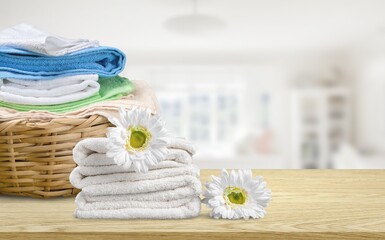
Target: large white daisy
{"type": "Point", "coordinates": [138, 139]}
{"type": "Point", "coordinates": [237, 195]}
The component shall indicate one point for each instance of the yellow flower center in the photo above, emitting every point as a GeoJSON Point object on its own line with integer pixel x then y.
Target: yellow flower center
{"type": "Point", "coordinates": [138, 139]}
{"type": "Point", "coordinates": [235, 195]}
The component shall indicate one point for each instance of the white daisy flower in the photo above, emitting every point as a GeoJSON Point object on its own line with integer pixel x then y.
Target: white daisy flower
{"type": "Point", "coordinates": [237, 195]}
{"type": "Point", "coordinates": [138, 140]}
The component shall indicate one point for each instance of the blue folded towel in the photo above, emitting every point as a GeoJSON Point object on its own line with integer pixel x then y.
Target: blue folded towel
{"type": "Point", "coordinates": [23, 64]}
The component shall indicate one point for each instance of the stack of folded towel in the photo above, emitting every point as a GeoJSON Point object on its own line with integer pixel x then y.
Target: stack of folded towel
{"type": "Point", "coordinates": [44, 72]}
{"type": "Point", "coordinates": [169, 190]}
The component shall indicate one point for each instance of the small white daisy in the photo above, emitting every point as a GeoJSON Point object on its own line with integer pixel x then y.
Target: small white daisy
{"type": "Point", "coordinates": [237, 195]}
{"type": "Point", "coordinates": [138, 140]}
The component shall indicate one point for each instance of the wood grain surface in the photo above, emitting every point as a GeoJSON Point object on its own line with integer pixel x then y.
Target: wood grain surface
{"type": "Point", "coordinates": [306, 204]}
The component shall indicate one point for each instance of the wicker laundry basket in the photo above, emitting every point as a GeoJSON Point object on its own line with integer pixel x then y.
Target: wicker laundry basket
{"type": "Point", "coordinates": [36, 158]}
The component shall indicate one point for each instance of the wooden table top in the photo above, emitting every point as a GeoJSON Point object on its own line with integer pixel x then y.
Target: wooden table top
{"type": "Point", "coordinates": [306, 204]}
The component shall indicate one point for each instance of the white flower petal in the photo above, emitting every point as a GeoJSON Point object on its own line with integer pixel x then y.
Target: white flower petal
{"type": "Point", "coordinates": [152, 159]}
{"type": "Point", "coordinates": [115, 121]}
{"type": "Point", "coordinates": [120, 157]}
{"type": "Point", "coordinates": [233, 178]}
{"type": "Point", "coordinates": [216, 180]}
{"type": "Point", "coordinates": [127, 165]}
{"type": "Point", "coordinates": [225, 178]}
{"type": "Point", "coordinates": [123, 118]}
{"type": "Point", "coordinates": [160, 153]}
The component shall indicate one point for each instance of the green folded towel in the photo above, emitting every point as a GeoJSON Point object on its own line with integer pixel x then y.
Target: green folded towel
{"type": "Point", "coordinates": [110, 89]}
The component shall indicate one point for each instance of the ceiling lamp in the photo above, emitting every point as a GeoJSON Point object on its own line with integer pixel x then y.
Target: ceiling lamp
{"type": "Point", "coordinates": [195, 23]}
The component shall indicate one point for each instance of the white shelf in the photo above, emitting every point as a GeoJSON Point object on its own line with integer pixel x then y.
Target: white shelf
{"type": "Point", "coordinates": [313, 144]}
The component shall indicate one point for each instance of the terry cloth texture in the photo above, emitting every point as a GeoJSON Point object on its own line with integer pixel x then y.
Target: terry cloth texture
{"type": "Point", "coordinates": [169, 190]}
{"type": "Point", "coordinates": [23, 64]}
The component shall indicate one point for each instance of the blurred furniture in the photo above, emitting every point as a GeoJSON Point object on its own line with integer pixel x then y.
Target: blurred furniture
{"type": "Point", "coordinates": [320, 123]}
{"type": "Point", "coordinates": [307, 204]}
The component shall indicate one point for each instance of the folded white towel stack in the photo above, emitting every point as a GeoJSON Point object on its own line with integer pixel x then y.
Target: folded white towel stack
{"type": "Point", "coordinates": [169, 190]}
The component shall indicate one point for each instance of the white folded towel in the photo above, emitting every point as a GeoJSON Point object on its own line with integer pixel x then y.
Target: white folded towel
{"type": "Point", "coordinates": [94, 159]}
{"type": "Point", "coordinates": [48, 92]}
{"type": "Point", "coordinates": [30, 38]}
{"type": "Point", "coordinates": [91, 151]}
{"type": "Point", "coordinates": [103, 170]}
{"type": "Point", "coordinates": [178, 193]}
{"type": "Point", "coordinates": [160, 198]}
{"type": "Point", "coordinates": [82, 203]}
{"type": "Point", "coordinates": [144, 186]}
{"type": "Point", "coordinates": [188, 210]}
{"type": "Point", "coordinates": [80, 181]}
{"type": "Point", "coordinates": [52, 87]}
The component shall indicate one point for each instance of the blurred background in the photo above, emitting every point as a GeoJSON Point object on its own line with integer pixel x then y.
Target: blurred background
{"type": "Point", "coordinates": [254, 83]}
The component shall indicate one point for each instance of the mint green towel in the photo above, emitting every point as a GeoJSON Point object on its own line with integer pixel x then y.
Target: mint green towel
{"type": "Point", "coordinates": [110, 89]}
